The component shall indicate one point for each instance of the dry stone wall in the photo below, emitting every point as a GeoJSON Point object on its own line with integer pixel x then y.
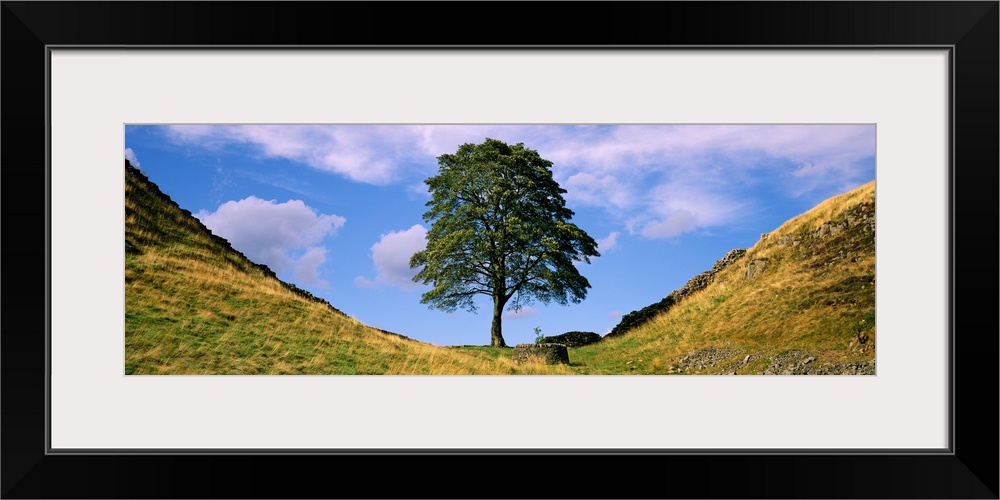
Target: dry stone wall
{"type": "Point", "coordinates": [547, 353]}
{"type": "Point", "coordinates": [699, 282]}
{"type": "Point", "coordinates": [573, 339]}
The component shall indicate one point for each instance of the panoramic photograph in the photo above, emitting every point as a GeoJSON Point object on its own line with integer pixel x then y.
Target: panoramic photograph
{"type": "Point", "coordinates": [593, 249]}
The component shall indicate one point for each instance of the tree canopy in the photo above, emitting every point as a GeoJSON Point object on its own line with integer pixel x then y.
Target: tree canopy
{"type": "Point", "coordinates": [500, 227]}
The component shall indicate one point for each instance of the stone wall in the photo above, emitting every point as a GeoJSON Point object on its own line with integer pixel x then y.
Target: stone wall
{"type": "Point", "coordinates": [546, 353]}
{"type": "Point", "coordinates": [699, 282]}
{"type": "Point", "coordinates": [573, 339]}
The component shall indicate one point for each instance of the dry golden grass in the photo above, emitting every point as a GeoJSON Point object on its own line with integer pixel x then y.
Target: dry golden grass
{"type": "Point", "coordinates": [811, 297]}
{"type": "Point", "coordinates": [195, 306]}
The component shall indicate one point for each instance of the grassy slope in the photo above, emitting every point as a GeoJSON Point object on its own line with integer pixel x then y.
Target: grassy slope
{"type": "Point", "coordinates": [193, 305]}
{"type": "Point", "coordinates": [816, 294]}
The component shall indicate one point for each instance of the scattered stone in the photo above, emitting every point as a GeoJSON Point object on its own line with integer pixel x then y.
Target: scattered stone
{"type": "Point", "coordinates": [706, 358]}
{"type": "Point", "coordinates": [800, 363]}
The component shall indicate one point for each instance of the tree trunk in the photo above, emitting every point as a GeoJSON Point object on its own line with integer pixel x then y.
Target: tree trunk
{"type": "Point", "coordinates": [496, 335]}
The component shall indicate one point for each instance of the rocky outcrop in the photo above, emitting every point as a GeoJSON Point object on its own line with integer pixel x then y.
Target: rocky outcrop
{"type": "Point", "coordinates": [573, 339]}
{"type": "Point", "coordinates": [545, 353]}
{"type": "Point", "coordinates": [699, 282]}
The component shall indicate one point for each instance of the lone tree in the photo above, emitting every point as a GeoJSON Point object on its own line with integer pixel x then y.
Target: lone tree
{"type": "Point", "coordinates": [500, 227]}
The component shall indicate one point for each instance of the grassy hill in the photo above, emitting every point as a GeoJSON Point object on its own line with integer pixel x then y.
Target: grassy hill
{"type": "Point", "coordinates": [194, 305]}
{"type": "Point", "coordinates": [802, 300]}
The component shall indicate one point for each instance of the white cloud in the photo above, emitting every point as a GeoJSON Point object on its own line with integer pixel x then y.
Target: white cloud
{"type": "Point", "coordinates": [522, 313]}
{"type": "Point", "coordinates": [283, 236]}
{"type": "Point", "coordinates": [672, 225]}
{"type": "Point", "coordinates": [623, 170]}
{"type": "Point", "coordinates": [673, 208]}
{"type": "Point", "coordinates": [636, 148]}
{"type": "Point", "coordinates": [373, 154]}
{"type": "Point", "coordinates": [363, 282]}
{"type": "Point", "coordinates": [377, 153]}
{"type": "Point", "coordinates": [607, 155]}
{"type": "Point", "coordinates": [391, 255]}
{"type": "Point", "coordinates": [130, 156]}
{"type": "Point", "coordinates": [594, 190]}
{"type": "Point", "coordinates": [419, 188]}
{"type": "Point", "coordinates": [674, 179]}
{"type": "Point", "coordinates": [360, 154]}
{"type": "Point", "coordinates": [608, 243]}
{"type": "Point", "coordinates": [307, 268]}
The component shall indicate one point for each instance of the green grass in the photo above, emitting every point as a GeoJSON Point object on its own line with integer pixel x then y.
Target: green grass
{"type": "Point", "coordinates": [800, 302]}
{"type": "Point", "coordinates": [193, 305]}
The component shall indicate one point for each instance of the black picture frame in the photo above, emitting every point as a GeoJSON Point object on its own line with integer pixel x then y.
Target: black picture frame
{"type": "Point", "coordinates": [970, 29]}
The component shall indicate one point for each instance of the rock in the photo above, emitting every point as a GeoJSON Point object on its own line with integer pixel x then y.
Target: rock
{"type": "Point", "coordinates": [545, 353]}
{"type": "Point", "coordinates": [829, 229]}
{"type": "Point", "coordinates": [573, 339]}
{"type": "Point", "coordinates": [756, 267]}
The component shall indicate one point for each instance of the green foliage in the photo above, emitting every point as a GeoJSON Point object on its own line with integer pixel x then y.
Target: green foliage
{"type": "Point", "coordinates": [500, 227]}
{"type": "Point", "coordinates": [539, 338]}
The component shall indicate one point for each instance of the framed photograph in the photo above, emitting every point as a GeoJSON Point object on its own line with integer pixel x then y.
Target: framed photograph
{"type": "Point", "coordinates": [896, 98]}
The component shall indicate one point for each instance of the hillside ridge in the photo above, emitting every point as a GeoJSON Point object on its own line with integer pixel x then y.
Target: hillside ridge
{"type": "Point", "coordinates": [801, 300]}
{"type": "Point", "coordinates": [131, 247]}
{"type": "Point", "coordinates": [850, 218]}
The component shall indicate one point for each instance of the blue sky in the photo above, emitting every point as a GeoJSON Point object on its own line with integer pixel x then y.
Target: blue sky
{"type": "Point", "coordinates": [337, 209]}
